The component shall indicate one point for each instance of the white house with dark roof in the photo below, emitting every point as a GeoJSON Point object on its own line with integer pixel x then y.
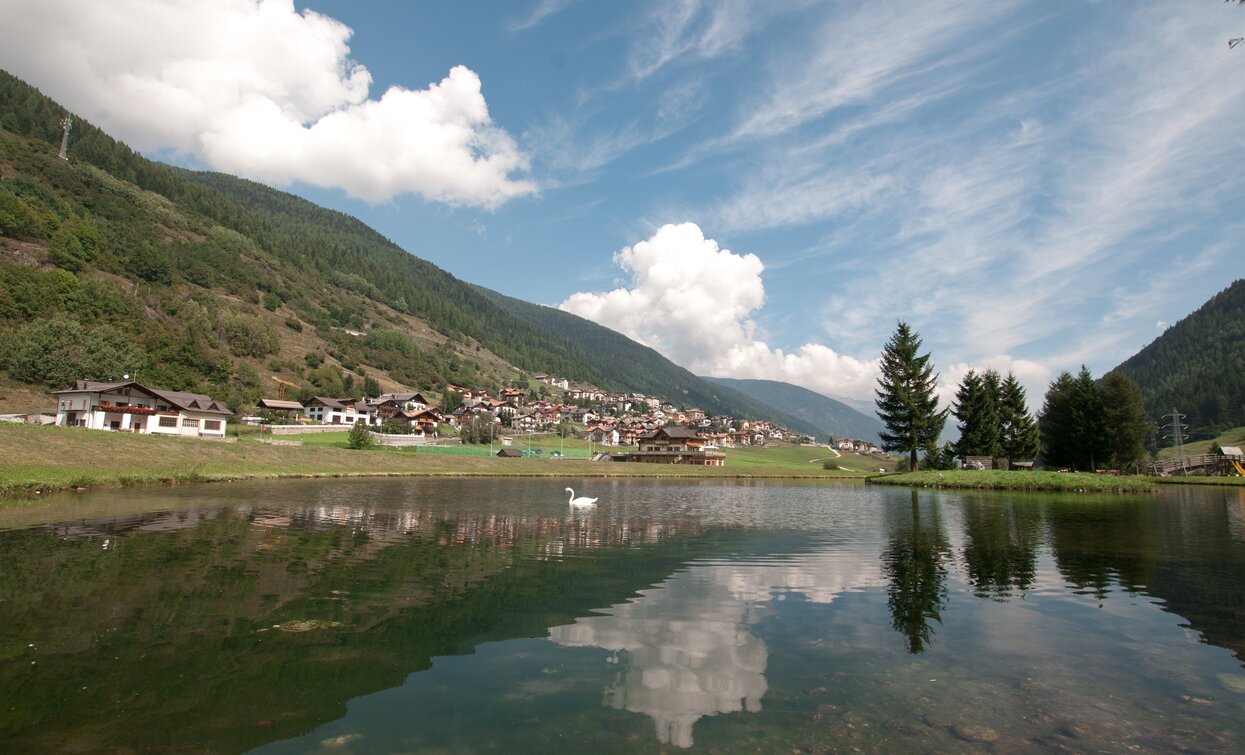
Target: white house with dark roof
{"type": "Point", "coordinates": [132, 407]}
{"type": "Point", "coordinates": [341, 411]}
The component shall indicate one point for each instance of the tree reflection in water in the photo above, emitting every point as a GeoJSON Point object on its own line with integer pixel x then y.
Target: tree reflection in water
{"type": "Point", "coordinates": [915, 563]}
{"type": "Point", "coordinates": [1003, 539]}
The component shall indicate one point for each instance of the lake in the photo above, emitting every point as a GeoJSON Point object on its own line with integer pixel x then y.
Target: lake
{"type": "Point", "coordinates": [486, 615]}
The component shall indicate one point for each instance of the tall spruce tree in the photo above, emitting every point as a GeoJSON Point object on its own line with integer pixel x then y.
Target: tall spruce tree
{"type": "Point", "coordinates": [1073, 423]}
{"type": "Point", "coordinates": [906, 401]}
{"type": "Point", "coordinates": [1126, 422]}
{"type": "Point", "coordinates": [1018, 433]}
{"type": "Point", "coordinates": [976, 408]}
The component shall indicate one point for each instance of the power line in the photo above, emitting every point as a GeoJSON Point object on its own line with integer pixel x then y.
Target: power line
{"type": "Point", "coordinates": [1175, 430]}
{"type": "Point", "coordinates": [66, 124]}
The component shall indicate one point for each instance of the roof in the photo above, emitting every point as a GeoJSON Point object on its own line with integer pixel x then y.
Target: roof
{"type": "Point", "coordinates": [195, 402]}
{"type": "Point", "coordinates": [1231, 450]}
{"type": "Point", "coordinates": [509, 453]}
{"type": "Point", "coordinates": [427, 412]}
{"type": "Point", "coordinates": [331, 403]}
{"type": "Point", "coordinates": [401, 397]}
{"type": "Point", "coordinates": [272, 403]}
{"type": "Point", "coordinates": [675, 432]}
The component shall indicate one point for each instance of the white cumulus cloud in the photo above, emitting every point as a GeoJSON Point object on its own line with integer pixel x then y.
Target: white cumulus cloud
{"type": "Point", "coordinates": [692, 301]}
{"type": "Point", "coordinates": [256, 88]}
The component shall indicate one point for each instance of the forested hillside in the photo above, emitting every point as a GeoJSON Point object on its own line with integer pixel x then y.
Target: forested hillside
{"type": "Point", "coordinates": [831, 417]}
{"type": "Point", "coordinates": [113, 264]}
{"type": "Point", "coordinates": [1198, 365]}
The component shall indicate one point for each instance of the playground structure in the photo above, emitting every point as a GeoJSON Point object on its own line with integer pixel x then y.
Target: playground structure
{"type": "Point", "coordinates": [1226, 461]}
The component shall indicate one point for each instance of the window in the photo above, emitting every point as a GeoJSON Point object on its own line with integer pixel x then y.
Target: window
{"type": "Point", "coordinates": [168, 422]}
{"type": "Point", "coordinates": [193, 423]}
{"type": "Point", "coordinates": [211, 424]}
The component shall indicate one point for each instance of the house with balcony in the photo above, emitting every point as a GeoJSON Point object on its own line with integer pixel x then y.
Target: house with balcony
{"type": "Point", "coordinates": [673, 445]}
{"type": "Point", "coordinates": [129, 406]}
{"type": "Point", "coordinates": [603, 435]}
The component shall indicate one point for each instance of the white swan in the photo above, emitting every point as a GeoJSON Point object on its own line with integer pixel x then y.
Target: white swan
{"type": "Point", "coordinates": [581, 501]}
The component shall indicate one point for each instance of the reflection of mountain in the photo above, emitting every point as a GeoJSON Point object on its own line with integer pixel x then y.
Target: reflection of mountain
{"type": "Point", "coordinates": [915, 563]}
{"type": "Point", "coordinates": [687, 649]}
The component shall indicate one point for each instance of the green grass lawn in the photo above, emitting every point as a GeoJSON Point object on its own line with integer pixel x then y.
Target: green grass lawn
{"type": "Point", "coordinates": [998, 479]}
{"type": "Point", "coordinates": [36, 460]}
{"type": "Point", "coordinates": [1233, 437]}
{"type": "Point", "coordinates": [1238, 482]}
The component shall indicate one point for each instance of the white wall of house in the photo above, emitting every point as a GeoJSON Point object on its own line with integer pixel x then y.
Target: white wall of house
{"type": "Point", "coordinates": [330, 415]}
{"type": "Point", "coordinates": [107, 411]}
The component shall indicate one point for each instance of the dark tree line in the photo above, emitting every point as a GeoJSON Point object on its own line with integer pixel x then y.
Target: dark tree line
{"type": "Point", "coordinates": [994, 418]}
{"type": "Point", "coordinates": [1087, 424]}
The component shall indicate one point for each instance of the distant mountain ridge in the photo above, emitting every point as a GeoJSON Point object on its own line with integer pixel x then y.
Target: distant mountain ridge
{"type": "Point", "coordinates": [1197, 366]}
{"type": "Point", "coordinates": [830, 416]}
{"type": "Point", "coordinates": [642, 368]}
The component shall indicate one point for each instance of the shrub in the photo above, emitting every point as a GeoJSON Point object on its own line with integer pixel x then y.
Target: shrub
{"type": "Point", "coordinates": [360, 436]}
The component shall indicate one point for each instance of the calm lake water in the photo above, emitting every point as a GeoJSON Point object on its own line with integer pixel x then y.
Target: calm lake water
{"type": "Point", "coordinates": [487, 616]}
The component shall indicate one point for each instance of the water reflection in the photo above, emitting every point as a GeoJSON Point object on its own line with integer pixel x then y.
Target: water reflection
{"type": "Point", "coordinates": [728, 617]}
{"type": "Point", "coordinates": [915, 565]}
{"type": "Point", "coordinates": [687, 651]}
{"type": "Point", "coordinates": [1003, 539]}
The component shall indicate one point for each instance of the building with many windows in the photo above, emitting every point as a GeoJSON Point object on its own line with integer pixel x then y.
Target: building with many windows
{"type": "Point", "coordinates": [132, 407]}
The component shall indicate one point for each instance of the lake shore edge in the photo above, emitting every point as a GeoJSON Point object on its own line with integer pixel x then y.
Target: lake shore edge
{"type": "Point", "coordinates": [42, 461]}
{"type": "Point", "coordinates": [1035, 481]}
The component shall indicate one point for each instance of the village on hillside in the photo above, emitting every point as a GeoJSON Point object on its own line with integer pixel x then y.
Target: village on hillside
{"type": "Point", "coordinates": [648, 428]}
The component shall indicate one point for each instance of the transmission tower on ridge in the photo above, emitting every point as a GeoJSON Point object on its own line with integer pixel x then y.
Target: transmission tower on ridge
{"type": "Point", "coordinates": [66, 124]}
{"type": "Point", "coordinates": [1175, 430]}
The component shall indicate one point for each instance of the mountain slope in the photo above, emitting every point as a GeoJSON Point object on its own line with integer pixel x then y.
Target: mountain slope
{"type": "Point", "coordinates": [1197, 366]}
{"type": "Point", "coordinates": [211, 283]}
{"type": "Point", "coordinates": [643, 369]}
{"type": "Point", "coordinates": [830, 416]}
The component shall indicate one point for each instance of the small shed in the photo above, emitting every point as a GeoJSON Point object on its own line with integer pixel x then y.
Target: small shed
{"type": "Point", "coordinates": [509, 453]}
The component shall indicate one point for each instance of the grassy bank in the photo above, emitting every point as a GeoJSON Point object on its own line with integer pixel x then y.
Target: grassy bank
{"type": "Point", "coordinates": [39, 460]}
{"type": "Point", "coordinates": [1237, 482]}
{"type": "Point", "coordinates": [1071, 482]}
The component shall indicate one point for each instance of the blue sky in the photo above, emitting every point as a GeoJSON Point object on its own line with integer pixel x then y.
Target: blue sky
{"type": "Point", "coordinates": [756, 189]}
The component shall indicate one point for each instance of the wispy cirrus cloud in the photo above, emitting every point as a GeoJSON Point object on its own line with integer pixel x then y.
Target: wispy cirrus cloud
{"type": "Point", "coordinates": [1007, 225]}
{"type": "Point", "coordinates": [693, 29]}
{"type": "Point", "coordinates": [574, 148]}
{"type": "Point", "coordinates": [540, 11]}
{"type": "Point", "coordinates": [1005, 210]}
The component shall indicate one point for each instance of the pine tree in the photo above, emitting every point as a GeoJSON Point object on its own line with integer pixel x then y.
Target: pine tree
{"type": "Point", "coordinates": [976, 408]}
{"type": "Point", "coordinates": [1073, 423]}
{"type": "Point", "coordinates": [906, 401]}
{"type": "Point", "coordinates": [1055, 422]}
{"type": "Point", "coordinates": [1018, 433]}
{"type": "Point", "coordinates": [1126, 422]}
